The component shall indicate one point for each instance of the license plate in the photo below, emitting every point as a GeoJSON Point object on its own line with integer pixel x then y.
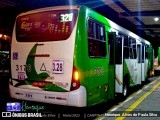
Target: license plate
{"type": "Point", "coordinates": [57, 66]}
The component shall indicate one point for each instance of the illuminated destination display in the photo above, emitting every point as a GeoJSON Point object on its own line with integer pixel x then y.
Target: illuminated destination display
{"type": "Point", "coordinates": [46, 26]}
{"type": "Point", "coordinates": [66, 17]}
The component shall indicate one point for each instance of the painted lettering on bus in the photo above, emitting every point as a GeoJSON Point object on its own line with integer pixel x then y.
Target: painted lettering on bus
{"type": "Point", "coordinates": [98, 71]}
{"type": "Point", "coordinates": [60, 84]}
{"type": "Point", "coordinates": [24, 68]}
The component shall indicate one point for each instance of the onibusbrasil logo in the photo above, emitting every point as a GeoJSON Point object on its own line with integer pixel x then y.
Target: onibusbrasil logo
{"type": "Point", "coordinates": [17, 109]}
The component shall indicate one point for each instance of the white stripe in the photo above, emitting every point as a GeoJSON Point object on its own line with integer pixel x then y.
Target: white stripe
{"type": "Point", "coordinates": [146, 87]}
{"type": "Point", "coordinates": [114, 109]}
{"type": "Point", "coordinates": [139, 92]}
{"type": "Point", "coordinates": [153, 82]}
{"type": "Point", "coordinates": [128, 99]}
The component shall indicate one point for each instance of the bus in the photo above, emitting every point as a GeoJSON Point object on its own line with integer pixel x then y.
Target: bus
{"type": "Point", "coordinates": [157, 63]}
{"type": "Point", "coordinates": [73, 56]}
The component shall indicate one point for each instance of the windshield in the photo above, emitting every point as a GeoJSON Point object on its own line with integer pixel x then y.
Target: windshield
{"type": "Point", "coordinates": [46, 26]}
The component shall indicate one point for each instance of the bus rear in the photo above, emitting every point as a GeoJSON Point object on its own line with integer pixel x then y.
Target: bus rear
{"type": "Point", "coordinates": [42, 55]}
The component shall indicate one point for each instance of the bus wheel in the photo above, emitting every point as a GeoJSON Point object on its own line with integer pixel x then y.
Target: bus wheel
{"type": "Point", "coordinates": [125, 87]}
{"type": "Point", "coordinates": [125, 90]}
{"type": "Point", "coordinates": [124, 93]}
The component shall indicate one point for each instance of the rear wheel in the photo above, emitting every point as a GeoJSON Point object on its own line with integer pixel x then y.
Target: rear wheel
{"type": "Point", "coordinates": [125, 91]}
{"type": "Point", "coordinates": [125, 87]}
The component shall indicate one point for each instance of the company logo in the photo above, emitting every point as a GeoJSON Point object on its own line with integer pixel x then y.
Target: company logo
{"type": "Point", "coordinates": [13, 106]}
{"type": "Point", "coordinates": [15, 55]}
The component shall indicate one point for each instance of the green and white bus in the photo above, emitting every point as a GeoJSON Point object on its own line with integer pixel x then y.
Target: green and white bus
{"type": "Point", "coordinates": [157, 63]}
{"type": "Point", "coordinates": [73, 56]}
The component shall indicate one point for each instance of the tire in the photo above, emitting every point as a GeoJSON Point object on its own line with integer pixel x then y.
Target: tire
{"type": "Point", "coordinates": [125, 90]}
{"type": "Point", "coordinates": [125, 87]}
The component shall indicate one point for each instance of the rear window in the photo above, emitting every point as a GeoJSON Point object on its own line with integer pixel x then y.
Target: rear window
{"type": "Point", "coordinates": [46, 26]}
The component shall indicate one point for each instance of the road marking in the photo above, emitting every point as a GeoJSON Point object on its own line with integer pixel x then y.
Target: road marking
{"type": "Point", "coordinates": [146, 87]}
{"type": "Point", "coordinates": [114, 109]}
{"type": "Point", "coordinates": [134, 105]}
{"type": "Point", "coordinates": [128, 99]}
{"type": "Point", "coordinates": [154, 81]}
{"type": "Point", "coordinates": [139, 92]}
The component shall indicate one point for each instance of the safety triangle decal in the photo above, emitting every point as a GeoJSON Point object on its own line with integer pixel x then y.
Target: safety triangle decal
{"type": "Point", "coordinates": [43, 68]}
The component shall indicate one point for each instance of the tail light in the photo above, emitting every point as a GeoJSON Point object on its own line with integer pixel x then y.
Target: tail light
{"type": "Point", "coordinates": [75, 84]}
{"type": "Point", "coordinates": [151, 73]}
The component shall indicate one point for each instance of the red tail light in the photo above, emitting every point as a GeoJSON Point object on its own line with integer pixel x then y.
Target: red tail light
{"type": "Point", "coordinates": [75, 84]}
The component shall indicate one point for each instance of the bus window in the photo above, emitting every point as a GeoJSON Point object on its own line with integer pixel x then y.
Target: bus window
{"type": "Point", "coordinates": [46, 26]}
{"type": "Point", "coordinates": [147, 52]}
{"type": "Point", "coordinates": [126, 47]}
{"type": "Point", "coordinates": [96, 39]}
{"type": "Point", "coordinates": [111, 44]}
{"type": "Point", "coordinates": [118, 49]}
{"type": "Point", "coordinates": [139, 53]}
{"type": "Point", "coordinates": [132, 48]}
{"type": "Point", "coordinates": [143, 53]}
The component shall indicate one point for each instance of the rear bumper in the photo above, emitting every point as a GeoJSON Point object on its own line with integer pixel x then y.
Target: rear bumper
{"type": "Point", "coordinates": [75, 98]}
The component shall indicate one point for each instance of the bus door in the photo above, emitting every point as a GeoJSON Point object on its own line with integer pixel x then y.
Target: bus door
{"type": "Point", "coordinates": [111, 67]}
{"type": "Point", "coordinates": [119, 64]}
{"type": "Point", "coordinates": [139, 65]}
{"type": "Point", "coordinates": [143, 61]}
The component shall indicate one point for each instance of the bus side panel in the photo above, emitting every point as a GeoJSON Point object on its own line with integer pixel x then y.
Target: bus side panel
{"type": "Point", "coordinates": [146, 67]}
{"type": "Point", "coordinates": [80, 58]}
{"type": "Point", "coordinates": [151, 62]}
{"type": "Point", "coordinates": [128, 71]}
{"type": "Point", "coordinates": [94, 71]}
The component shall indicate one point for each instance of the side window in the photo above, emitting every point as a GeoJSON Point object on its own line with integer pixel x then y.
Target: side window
{"type": "Point", "coordinates": [139, 53]}
{"type": "Point", "coordinates": [132, 48]}
{"type": "Point", "coordinates": [147, 52]}
{"type": "Point", "coordinates": [118, 49]}
{"type": "Point", "coordinates": [126, 47]}
{"type": "Point", "coordinates": [143, 52]}
{"type": "Point", "coordinates": [96, 39]}
{"type": "Point", "coordinates": [111, 46]}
